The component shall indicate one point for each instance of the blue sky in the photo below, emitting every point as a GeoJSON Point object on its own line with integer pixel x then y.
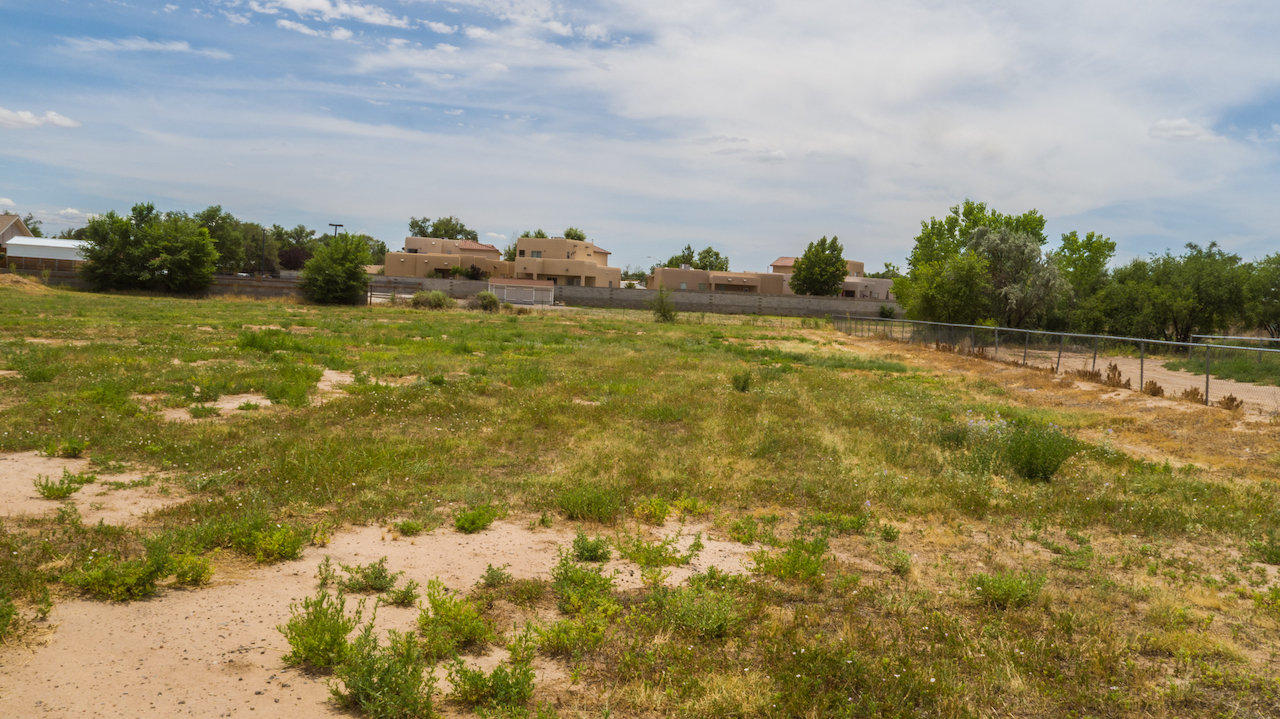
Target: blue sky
{"type": "Point", "coordinates": [750, 126]}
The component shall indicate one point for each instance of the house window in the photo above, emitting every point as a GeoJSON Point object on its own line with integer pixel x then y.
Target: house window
{"type": "Point", "coordinates": [684, 285]}
{"type": "Point", "coordinates": [520, 253]}
{"type": "Point", "coordinates": [535, 253]}
{"type": "Point", "coordinates": [702, 286]}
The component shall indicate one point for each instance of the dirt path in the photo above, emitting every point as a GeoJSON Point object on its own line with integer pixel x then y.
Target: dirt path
{"type": "Point", "coordinates": [215, 651]}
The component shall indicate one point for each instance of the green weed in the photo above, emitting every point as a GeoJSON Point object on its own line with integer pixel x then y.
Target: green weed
{"type": "Point", "coordinates": [1036, 451]}
{"type": "Point", "coordinates": [590, 502]}
{"type": "Point", "coordinates": [317, 631]}
{"type": "Point", "coordinates": [449, 623]}
{"type": "Point", "coordinates": [588, 549]}
{"type": "Point", "coordinates": [476, 519]}
{"type": "Point", "coordinates": [385, 682]}
{"type": "Point", "coordinates": [1005, 590]}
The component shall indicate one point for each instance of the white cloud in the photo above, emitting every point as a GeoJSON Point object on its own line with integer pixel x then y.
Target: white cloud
{"type": "Point", "coordinates": [22, 119]}
{"type": "Point", "coordinates": [329, 10]}
{"type": "Point", "coordinates": [138, 44]}
{"type": "Point", "coordinates": [72, 213]}
{"type": "Point", "coordinates": [480, 33]}
{"type": "Point", "coordinates": [6, 202]}
{"type": "Point", "coordinates": [337, 33]}
{"type": "Point", "coordinates": [1181, 129]}
{"type": "Point", "coordinates": [558, 28]}
{"type": "Point", "coordinates": [495, 235]}
{"type": "Point", "coordinates": [440, 28]}
{"type": "Point", "coordinates": [454, 111]}
{"type": "Point", "coordinates": [236, 18]}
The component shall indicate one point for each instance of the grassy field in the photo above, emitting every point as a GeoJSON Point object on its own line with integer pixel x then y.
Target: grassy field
{"type": "Point", "coordinates": [930, 542]}
{"type": "Point", "coordinates": [1241, 365]}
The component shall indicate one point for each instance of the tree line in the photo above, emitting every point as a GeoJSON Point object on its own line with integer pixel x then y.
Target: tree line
{"type": "Point", "coordinates": [976, 265]}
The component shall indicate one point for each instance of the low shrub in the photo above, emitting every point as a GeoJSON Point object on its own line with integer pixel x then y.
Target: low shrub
{"type": "Point", "coordinates": [273, 544]}
{"type": "Point", "coordinates": [119, 580]}
{"type": "Point", "coordinates": [838, 523]}
{"type": "Point", "coordinates": [1114, 379]}
{"type": "Point", "coordinates": [71, 448]}
{"type": "Point", "coordinates": [433, 300]}
{"type": "Point", "coordinates": [886, 312]}
{"type": "Point", "coordinates": [741, 381]}
{"type": "Point", "coordinates": [898, 561]}
{"type": "Point", "coordinates": [404, 596]}
{"type": "Point", "coordinates": [799, 560]}
{"type": "Point", "coordinates": [1267, 549]}
{"type": "Point", "coordinates": [889, 533]}
{"type": "Point", "coordinates": [495, 577]}
{"type": "Point", "coordinates": [476, 519]}
{"type": "Point", "coordinates": [409, 527]}
{"type": "Point", "coordinates": [651, 510]}
{"type": "Point", "coordinates": [1193, 394]}
{"type": "Point", "coordinates": [1004, 590]}
{"type": "Point", "coordinates": [664, 310]}
{"type": "Point", "coordinates": [1153, 388]}
{"type": "Point", "coordinates": [1230, 403]}
{"type": "Point", "coordinates": [580, 589]}
{"type": "Point", "coordinates": [1036, 451]}
{"type": "Point", "coordinates": [749, 530]}
{"type": "Point", "coordinates": [8, 615]}
{"type": "Point", "coordinates": [590, 502]}
{"type": "Point", "coordinates": [63, 487]}
{"type": "Point", "coordinates": [190, 570]}
{"type": "Point", "coordinates": [588, 549]}
{"type": "Point", "coordinates": [575, 637]}
{"type": "Point", "coordinates": [660, 553]}
{"type": "Point", "coordinates": [385, 682]}
{"type": "Point", "coordinates": [488, 301]}
{"type": "Point", "coordinates": [701, 612]}
{"type": "Point", "coordinates": [371, 578]}
{"type": "Point", "coordinates": [1266, 601]}
{"type": "Point", "coordinates": [201, 411]}
{"type": "Point", "coordinates": [508, 686]}
{"type": "Point", "coordinates": [317, 631]}
{"type": "Point", "coordinates": [449, 623]}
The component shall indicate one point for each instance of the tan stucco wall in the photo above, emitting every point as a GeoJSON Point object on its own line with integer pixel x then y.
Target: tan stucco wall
{"type": "Point", "coordinates": [420, 264]}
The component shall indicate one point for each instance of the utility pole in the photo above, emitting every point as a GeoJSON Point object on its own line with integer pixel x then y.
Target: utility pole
{"type": "Point", "coordinates": [335, 227]}
{"type": "Point", "coordinates": [262, 263]}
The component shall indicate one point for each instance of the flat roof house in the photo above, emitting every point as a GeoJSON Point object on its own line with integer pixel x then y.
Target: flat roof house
{"type": "Point", "coordinates": [43, 253]}
{"type": "Point", "coordinates": [776, 282]}
{"type": "Point", "coordinates": [426, 256]}
{"type": "Point", "coordinates": [573, 263]}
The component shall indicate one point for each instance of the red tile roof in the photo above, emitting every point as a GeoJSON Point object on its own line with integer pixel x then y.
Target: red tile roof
{"type": "Point", "coordinates": [473, 245]}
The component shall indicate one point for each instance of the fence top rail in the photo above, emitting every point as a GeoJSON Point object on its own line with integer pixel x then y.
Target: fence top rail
{"type": "Point", "coordinates": [1069, 334]}
{"type": "Point", "coordinates": [1231, 337]}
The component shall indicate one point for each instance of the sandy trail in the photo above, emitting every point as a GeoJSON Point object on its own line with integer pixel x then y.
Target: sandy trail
{"type": "Point", "coordinates": [215, 651]}
{"type": "Point", "coordinates": [98, 501]}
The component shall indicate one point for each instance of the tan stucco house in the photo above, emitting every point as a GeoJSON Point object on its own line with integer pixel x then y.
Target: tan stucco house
{"type": "Point", "coordinates": [426, 256]}
{"type": "Point", "coordinates": [565, 262]}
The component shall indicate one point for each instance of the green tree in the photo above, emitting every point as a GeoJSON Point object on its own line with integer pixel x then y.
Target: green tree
{"type": "Point", "coordinates": [335, 274]}
{"type": "Point", "coordinates": [942, 238]}
{"type": "Point", "coordinates": [446, 228]}
{"type": "Point", "coordinates": [573, 233]}
{"type": "Point", "coordinates": [956, 288]}
{"type": "Point", "coordinates": [169, 252]}
{"type": "Point", "coordinates": [707, 259]}
{"type": "Point", "coordinates": [1083, 261]}
{"type": "Point", "coordinates": [539, 233]}
{"type": "Point", "coordinates": [889, 272]}
{"type": "Point", "coordinates": [821, 269]}
{"type": "Point", "coordinates": [261, 249]}
{"type": "Point", "coordinates": [1201, 291]}
{"type": "Point", "coordinates": [34, 225]}
{"type": "Point", "coordinates": [1024, 283]}
{"type": "Point", "coordinates": [227, 236]}
{"type": "Point", "coordinates": [1262, 294]}
{"type": "Point", "coordinates": [509, 252]}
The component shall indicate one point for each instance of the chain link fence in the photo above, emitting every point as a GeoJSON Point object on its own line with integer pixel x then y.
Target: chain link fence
{"type": "Point", "coordinates": [1234, 373]}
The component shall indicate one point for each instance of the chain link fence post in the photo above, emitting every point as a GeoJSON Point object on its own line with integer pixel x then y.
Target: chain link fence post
{"type": "Point", "coordinates": [1206, 374]}
{"type": "Point", "coordinates": [1142, 363]}
{"type": "Point", "coordinates": [1062, 340]}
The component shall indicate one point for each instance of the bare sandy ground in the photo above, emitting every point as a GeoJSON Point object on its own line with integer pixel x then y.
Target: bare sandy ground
{"type": "Point", "coordinates": [96, 501]}
{"type": "Point", "coordinates": [226, 404]}
{"type": "Point", "coordinates": [215, 651]}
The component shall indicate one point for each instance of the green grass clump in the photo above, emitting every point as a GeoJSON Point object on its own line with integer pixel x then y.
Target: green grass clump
{"type": "Point", "coordinates": [749, 530]}
{"type": "Point", "coordinates": [580, 589]}
{"type": "Point", "coordinates": [495, 577]}
{"type": "Point", "coordinates": [403, 596]}
{"type": "Point", "coordinates": [433, 300]}
{"type": "Point", "coordinates": [201, 411]}
{"type": "Point", "coordinates": [1267, 549]}
{"type": "Point", "coordinates": [589, 549]}
{"type": "Point", "coordinates": [273, 544]}
{"type": "Point", "coordinates": [449, 623]}
{"type": "Point", "coordinates": [476, 519]}
{"type": "Point", "coordinates": [1004, 590]}
{"type": "Point", "coordinates": [371, 578]}
{"type": "Point", "coordinates": [119, 580]}
{"type": "Point", "coordinates": [652, 510]}
{"type": "Point", "coordinates": [575, 637]}
{"type": "Point", "coordinates": [837, 523]}
{"type": "Point", "coordinates": [317, 631]}
{"type": "Point", "coordinates": [71, 448]}
{"type": "Point", "coordinates": [409, 527]}
{"type": "Point", "coordinates": [8, 615]}
{"type": "Point", "coordinates": [63, 487]}
{"type": "Point", "coordinates": [660, 553]}
{"type": "Point", "coordinates": [508, 687]}
{"type": "Point", "coordinates": [698, 611]}
{"type": "Point", "coordinates": [590, 502]}
{"type": "Point", "coordinates": [741, 381]}
{"type": "Point", "coordinates": [190, 570]}
{"type": "Point", "coordinates": [1036, 451]}
{"type": "Point", "coordinates": [385, 682]}
{"type": "Point", "coordinates": [800, 559]}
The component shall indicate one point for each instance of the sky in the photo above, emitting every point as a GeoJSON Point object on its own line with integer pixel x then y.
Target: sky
{"type": "Point", "coordinates": [751, 126]}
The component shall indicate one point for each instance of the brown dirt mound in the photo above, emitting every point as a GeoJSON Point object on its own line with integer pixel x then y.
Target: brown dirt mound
{"type": "Point", "coordinates": [22, 284]}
